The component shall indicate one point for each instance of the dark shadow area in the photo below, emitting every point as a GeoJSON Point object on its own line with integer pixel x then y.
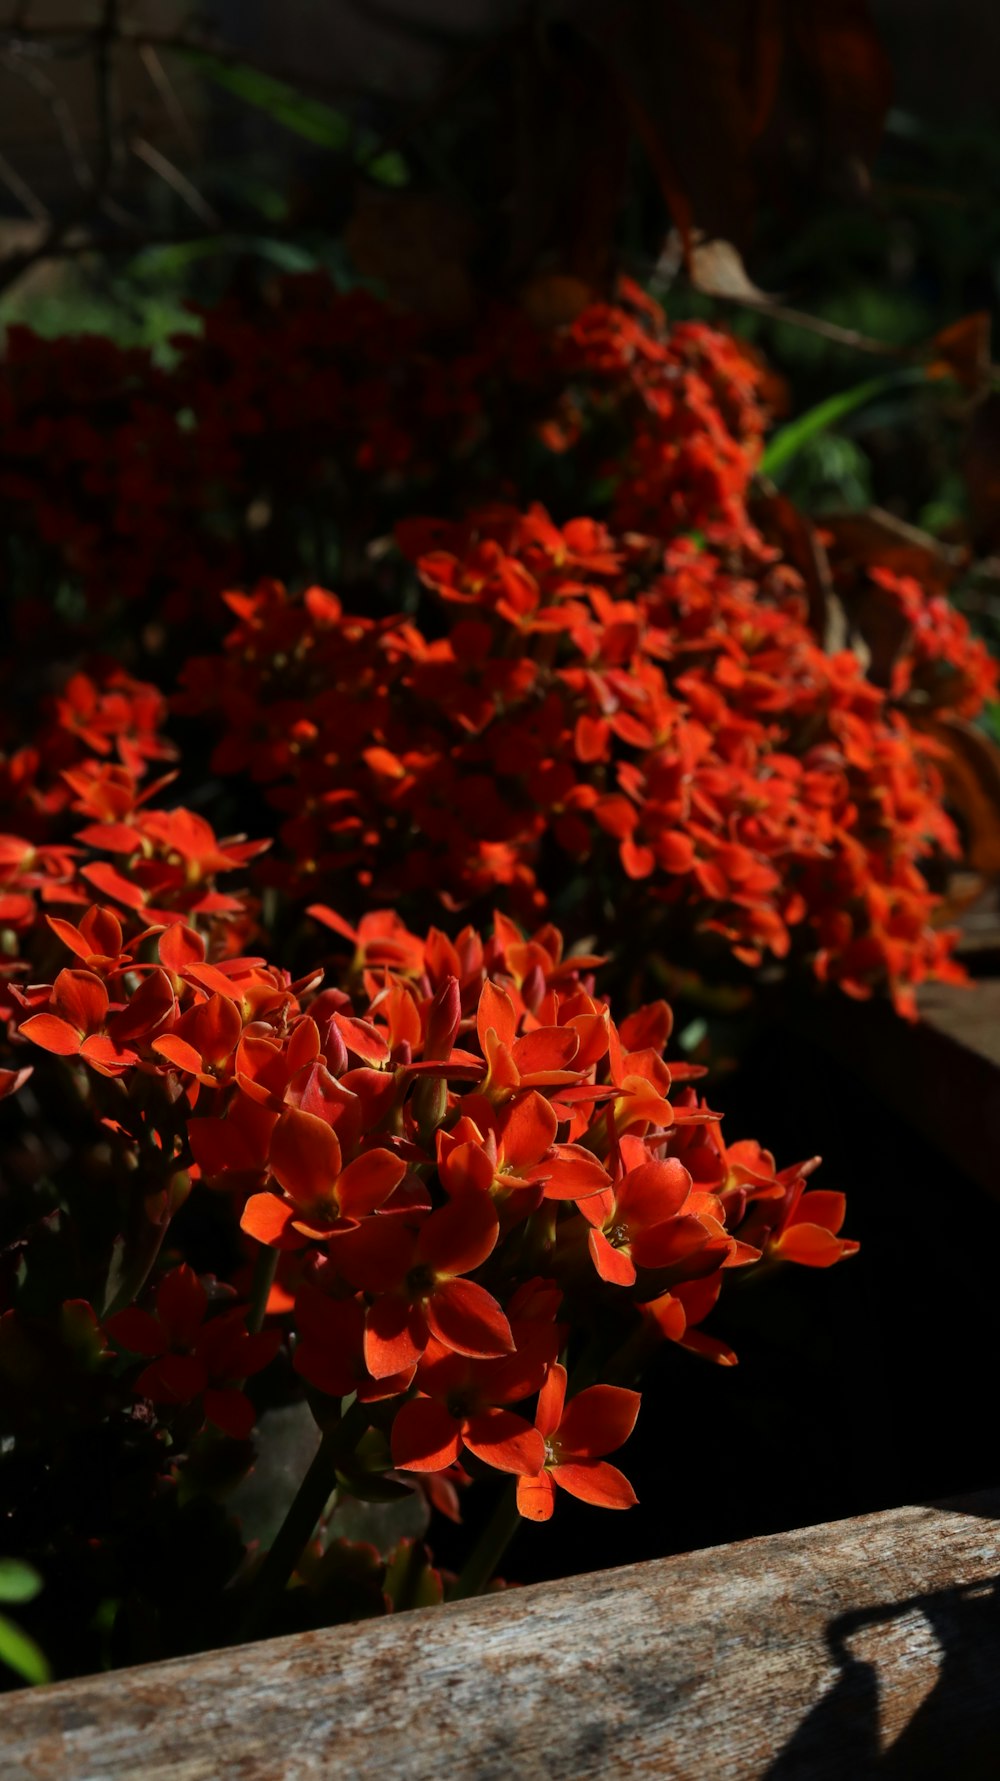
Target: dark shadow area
{"type": "Point", "coordinates": [954, 1729]}
{"type": "Point", "coordinates": [857, 1389]}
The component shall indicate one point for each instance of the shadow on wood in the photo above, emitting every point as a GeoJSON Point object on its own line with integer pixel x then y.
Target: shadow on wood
{"type": "Point", "coordinates": [860, 1647]}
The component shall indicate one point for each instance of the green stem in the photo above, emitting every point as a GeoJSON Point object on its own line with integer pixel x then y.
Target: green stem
{"type": "Point", "coordinates": [490, 1547]}
{"type": "Point", "coordinates": [134, 1276]}
{"type": "Point", "coordinates": [305, 1510]}
{"type": "Point", "coordinates": [264, 1269]}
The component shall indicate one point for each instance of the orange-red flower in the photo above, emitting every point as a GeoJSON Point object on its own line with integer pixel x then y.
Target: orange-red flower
{"type": "Point", "coordinates": [576, 1437]}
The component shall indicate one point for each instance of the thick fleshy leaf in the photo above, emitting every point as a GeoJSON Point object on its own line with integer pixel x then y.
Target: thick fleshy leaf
{"type": "Point", "coordinates": [506, 1441]}
{"type": "Point", "coordinates": [536, 1497]}
{"type": "Point", "coordinates": [305, 1156]}
{"type": "Point", "coordinates": [367, 1182]}
{"type": "Point", "coordinates": [614, 1265]}
{"type": "Point", "coordinates": [596, 1482]}
{"type": "Point", "coordinates": [466, 1318]}
{"type": "Point", "coordinates": [460, 1235]}
{"type": "Point", "coordinates": [597, 1421]}
{"type": "Point", "coordinates": [425, 1437]}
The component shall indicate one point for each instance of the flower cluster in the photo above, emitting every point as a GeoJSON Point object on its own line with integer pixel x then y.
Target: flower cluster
{"type": "Point", "coordinates": [594, 698]}
{"type": "Point", "coordinates": [305, 424]}
{"type": "Point", "coordinates": [272, 1142]}
{"type": "Point", "coordinates": [459, 1158]}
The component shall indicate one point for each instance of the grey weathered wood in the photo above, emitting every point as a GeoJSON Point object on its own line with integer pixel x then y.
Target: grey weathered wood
{"type": "Point", "coordinates": [865, 1647]}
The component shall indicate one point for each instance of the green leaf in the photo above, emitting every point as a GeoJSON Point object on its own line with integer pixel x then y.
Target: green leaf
{"type": "Point", "coordinates": [21, 1654]}
{"type": "Point", "coordinates": [18, 1582]}
{"type": "Point", "coordinates": [321, 124]}
{"type": "Point", "coordinates": [310, 118]}
{"type": "Point", "coordinates": [790, 440]}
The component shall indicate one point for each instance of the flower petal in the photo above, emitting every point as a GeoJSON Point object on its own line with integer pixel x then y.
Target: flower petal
{"type": "Point", "coordinates": [395, 1337]}
{"type": "Point", "coordinates": [231, 1411]}
{"type": "Point", "coordinates": [504, 1440]}
{"type": "Point", "coordinates": [425, 1437]}
{"type": "Point", "coordinates": [596, 1482]}
{"type": "Point", "coordinates": [367, 1182]}
{"type": "Point", "coordinates": [597, 1421]}
{"type": "Point", "coordinates": [496, 1013]}
{"type": "Point", "coordinates": [654, 1192]}
{"type": "Point", "coordinates": [459, 1236]}
{"type": "Point", "coordinates": [305, 1156]}
{"type": "Point", "coordinates": [614, 1265]}
{"type": "Point", "coordinates": [52, 1034]}
{"type": "Point", "coordinates": [269, 1220]}
{"type": "Point", "coordinates": [536, 1497]}
{"type": "Point", "coordinates": [465, 1318]}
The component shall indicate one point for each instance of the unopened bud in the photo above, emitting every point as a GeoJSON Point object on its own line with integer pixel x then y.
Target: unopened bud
{"type": "Point", "coordinates": [443, 1018]}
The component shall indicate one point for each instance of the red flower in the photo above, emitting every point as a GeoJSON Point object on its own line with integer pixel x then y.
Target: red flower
{"type": "Point", "coordinates": [80, 1004]}
{"type": "Point", "coordinates": [193, 1358]}
{"type": "Point", "coordinates": [416, 1274]}
{"type": "Point", "coordinates": [325, 1195]}
{"type": "Point", "coordinates": [638, 1222]}
{"type": "Point", "coordinates": [463, 1402]}
{"type": "Point", "coordinates": [576, 1437]}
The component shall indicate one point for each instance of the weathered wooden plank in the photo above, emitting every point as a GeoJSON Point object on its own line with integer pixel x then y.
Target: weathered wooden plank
{"type": "Point", "coordinates": [853, 1649]}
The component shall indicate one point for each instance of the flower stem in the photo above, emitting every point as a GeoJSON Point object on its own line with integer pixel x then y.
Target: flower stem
{"type": "Point", "coordinates": [307, 1505]}
{"type": "Point", "coordinates": [490, 1547]}
{"type": "Point", "coordinates": [264, 1269]}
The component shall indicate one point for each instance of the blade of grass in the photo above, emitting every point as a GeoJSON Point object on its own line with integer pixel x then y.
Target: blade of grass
{"type": "Point", "coordinates": [316, 122]}
{"type": "Point", "coordinates": [789, 440]}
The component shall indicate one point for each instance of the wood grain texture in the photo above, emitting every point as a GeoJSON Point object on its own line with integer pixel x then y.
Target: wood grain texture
{"type": "Point", "coordinates": [865, 1647]}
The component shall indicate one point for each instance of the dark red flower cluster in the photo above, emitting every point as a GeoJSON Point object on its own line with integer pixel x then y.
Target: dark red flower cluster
{"type": "Point", "coordinates": [650, 714]}
{"type": "Point", "coordinates": [98, 720]}
{"type": "Point", "coordinates": [305, 424]}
